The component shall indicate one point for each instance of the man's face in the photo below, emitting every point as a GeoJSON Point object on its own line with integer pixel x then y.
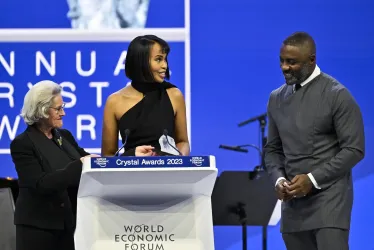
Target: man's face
{"type": "Point", "coordinates": [296, 63]}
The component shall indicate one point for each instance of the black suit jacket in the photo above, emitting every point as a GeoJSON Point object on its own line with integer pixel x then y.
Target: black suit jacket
{"type": "Point", "coordinates": [45, 172]}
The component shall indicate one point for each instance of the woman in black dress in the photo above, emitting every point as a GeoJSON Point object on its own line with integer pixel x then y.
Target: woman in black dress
{"type": "Point", "coordinates": [147, 107]}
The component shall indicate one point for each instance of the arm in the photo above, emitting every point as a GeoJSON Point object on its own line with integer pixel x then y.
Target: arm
{"type": "Point", "coordinates": [349, 129]}
{"type": "Point", "coordinates": [181, 137]}
{"type": "Point", "coordinates": [66, 133]}
{"type": "Point", "coordinates": [274, 156]}
{"type": "Point", "coordinates": [109, 137]}
{"type": "Point", "coordinates": [31, 174]}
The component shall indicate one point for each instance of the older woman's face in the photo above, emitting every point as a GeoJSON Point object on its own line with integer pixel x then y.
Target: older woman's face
{"type": "Point", "coordinates": [56, 112]}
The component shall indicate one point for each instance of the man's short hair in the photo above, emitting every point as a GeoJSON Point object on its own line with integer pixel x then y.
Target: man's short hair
{"type": "Point", "coordinates": [301, 39]}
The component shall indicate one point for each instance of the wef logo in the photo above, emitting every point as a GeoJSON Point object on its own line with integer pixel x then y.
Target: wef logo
{"type": "Point", "coordinates": [101, 162]}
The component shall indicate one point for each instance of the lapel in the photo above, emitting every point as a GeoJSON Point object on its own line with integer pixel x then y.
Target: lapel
{"type": "Point", "coordinates": [288, 92]}
{"type": "Point", "coordinates": [67, 146]}
{"type": "Point", "coordinates": [52, 156]}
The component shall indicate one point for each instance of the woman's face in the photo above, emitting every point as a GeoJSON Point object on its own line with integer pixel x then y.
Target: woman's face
{"type": "Point", "coordinates": [158, 63]}
{"type": "Point", "coordinates": [56, 112]}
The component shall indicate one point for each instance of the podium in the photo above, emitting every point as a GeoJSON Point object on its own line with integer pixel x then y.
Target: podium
{"type": "Point", "coordinates": [131, 203]}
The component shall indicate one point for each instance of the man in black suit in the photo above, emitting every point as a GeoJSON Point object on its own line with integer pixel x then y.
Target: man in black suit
{"type": "Point", "coordinates": [315, 138]}
{"type": "Point", "coordinates": [48, 161]}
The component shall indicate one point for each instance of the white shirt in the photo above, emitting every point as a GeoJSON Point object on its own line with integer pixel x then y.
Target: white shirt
{"type": "Point", "coordinates": [315, 73]}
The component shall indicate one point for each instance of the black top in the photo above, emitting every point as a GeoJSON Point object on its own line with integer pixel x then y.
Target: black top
{"type": "Point", "coordinates": [46, 169]}
{"type": "Point", "coordinates": [148, 119]}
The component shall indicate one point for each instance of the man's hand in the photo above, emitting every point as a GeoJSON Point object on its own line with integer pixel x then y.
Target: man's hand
{"type": "Point", "coordinates": [281, 189]}
{"type": "Point", "coordinates": [300, 186]}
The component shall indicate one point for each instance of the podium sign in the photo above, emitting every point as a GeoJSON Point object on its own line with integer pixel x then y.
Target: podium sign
{"type": "Point", "coordinates": [141, 203]}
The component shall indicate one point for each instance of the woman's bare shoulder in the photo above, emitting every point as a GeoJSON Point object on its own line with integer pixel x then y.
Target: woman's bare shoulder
{"type": "Point", "coordinates": [175, 93]}
{"type": "Point", "coordinates": [119, 96]}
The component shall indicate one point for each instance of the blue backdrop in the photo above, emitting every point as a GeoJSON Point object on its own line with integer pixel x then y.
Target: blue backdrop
{"type": "Point", "coordinates": [88, 72]}
{"type": "Point", "coordinates": [234, 65]}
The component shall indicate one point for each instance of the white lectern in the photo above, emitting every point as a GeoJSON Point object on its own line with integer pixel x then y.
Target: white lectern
{"type": "Point", "coordinates": [141, 203]}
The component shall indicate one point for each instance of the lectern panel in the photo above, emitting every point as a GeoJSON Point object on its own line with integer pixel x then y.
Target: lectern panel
{"type": "Point", "coordinates": [126, 203]}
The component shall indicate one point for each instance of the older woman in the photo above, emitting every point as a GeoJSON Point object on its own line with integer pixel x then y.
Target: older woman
{"type": "Point", "coordinates": [48, 161]}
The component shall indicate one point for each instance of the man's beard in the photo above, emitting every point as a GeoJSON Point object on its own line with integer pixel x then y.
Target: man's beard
{"type": "Point", "coordinates": [297, 77]}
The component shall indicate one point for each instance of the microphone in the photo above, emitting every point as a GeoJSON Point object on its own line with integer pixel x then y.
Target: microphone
{"type": "Point", "coordinates": [127, 133]}
{"type": "Point", "coordinates": [234, 148]}
{"type": "Point", "coordinates": [167, 140]}
{"type": "Point", "coordinates": [260, 118]}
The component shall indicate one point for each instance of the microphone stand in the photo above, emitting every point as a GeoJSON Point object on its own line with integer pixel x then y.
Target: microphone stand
{"type": "Point", "coordinates": [262, 125]}
{"type": "Point", "coordinates": [240, 211]}
{"type": "Point", "coordinates": [258, 169]}
{"type": "Point", "coordinates": [240, 148]}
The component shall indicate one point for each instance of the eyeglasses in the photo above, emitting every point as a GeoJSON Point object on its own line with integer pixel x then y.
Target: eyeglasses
{"type": "Point", "coordinates": [59, 109]}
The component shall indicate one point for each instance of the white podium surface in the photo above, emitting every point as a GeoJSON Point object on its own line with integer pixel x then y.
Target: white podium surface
{"type": "Point", "coordinates": [146, 203]}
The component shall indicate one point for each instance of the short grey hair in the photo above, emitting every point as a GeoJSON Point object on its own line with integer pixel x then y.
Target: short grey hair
{"type": "Point", "coordinates": [37, 101]}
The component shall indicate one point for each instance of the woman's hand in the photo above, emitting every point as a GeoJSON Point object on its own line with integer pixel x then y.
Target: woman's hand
{"type": "Point", "coordinates": [144, 151]}
{"type": "Point", "coordinates": [82, 158]}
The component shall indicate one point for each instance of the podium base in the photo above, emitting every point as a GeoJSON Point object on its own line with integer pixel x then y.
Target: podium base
{"type": "Point", "coordinates": [174, 224]}
{"type": "Point", "coordinates": [181, 245]}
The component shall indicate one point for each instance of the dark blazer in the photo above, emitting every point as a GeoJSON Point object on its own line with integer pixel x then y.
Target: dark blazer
{"type": "Point", "coordinates": [45, 171]}
{"type": "Point", "coordinates": [319, 130]}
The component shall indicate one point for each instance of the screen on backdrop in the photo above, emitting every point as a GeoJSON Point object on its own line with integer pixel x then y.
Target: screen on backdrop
{"type": "Point", "coordinates": [93, 15]}
{"type": "Point", "coordinates": [89, 66]}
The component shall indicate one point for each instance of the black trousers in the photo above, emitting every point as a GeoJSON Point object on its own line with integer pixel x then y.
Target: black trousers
{"type": "Point", "coordinates": [32, 238]}
{"type": "Point", "coordinates": [319, 239]}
